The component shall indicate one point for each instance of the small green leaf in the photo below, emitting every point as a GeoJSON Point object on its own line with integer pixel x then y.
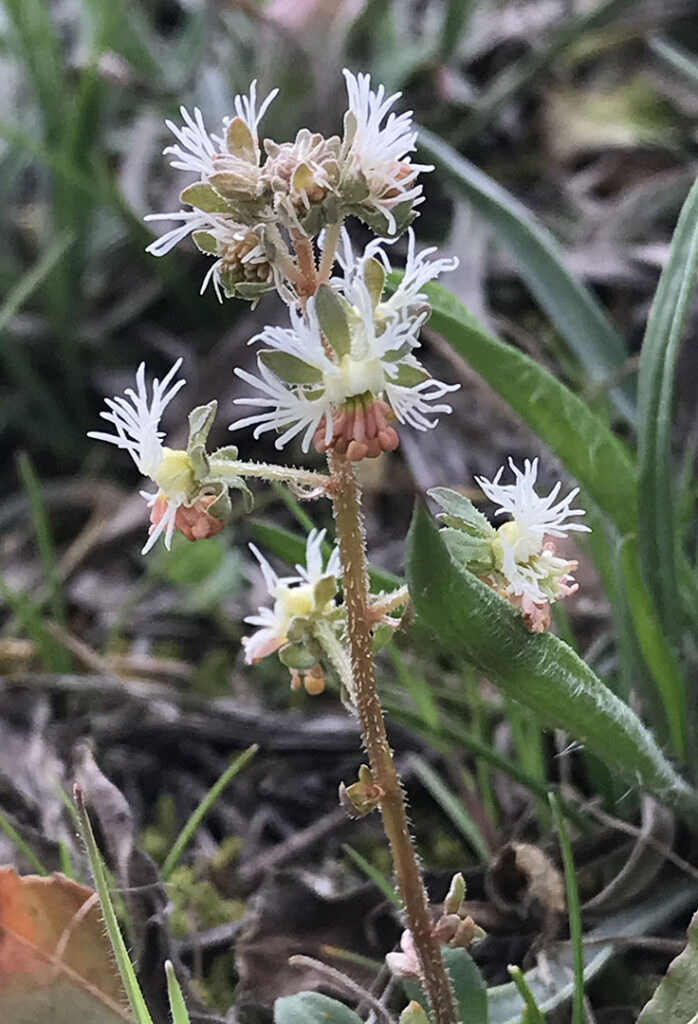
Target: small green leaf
{"type": "Point", "coordinates": [466, 550]}
{"type": "Point", "coordinates": [658, 546]}
{"type": "Point", "coordinates": [333, 320]}
{"type": "Point", "coordinates": [289, 368]}
{"type": "Point", "coordinates": [538, 670]}
{"type": "Point", "coordinates": [204, 198]}
{"type": "Point", "coordinates": [461, 513]}
{"type": "Point", "coordinates": [313, 1008]}
{"type": "Point", "coordinates": [468, 985]}
{"type": "Point", "coordinates": [178, 1008]}
{"type": "Point", "coordinates": [229, 452]}
{"type": "Point", "coordinates": [325, 590]}
{"type": "Point", "coordinates": [297, 655]}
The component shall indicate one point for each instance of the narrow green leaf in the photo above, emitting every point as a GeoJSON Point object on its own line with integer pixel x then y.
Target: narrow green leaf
{"type": "Point", "coordinates": [541, 263]}
{"type": "Point", "coordinates": [531, 1014]}
{"type": "Point", "coordinates": [573, 911]}
{"type": "Point", "coordinates": [656, 650]}
{"type": "Point", "coordinates": [452, 807]}
{"type": "Point", "coordinates": [21, 845]}
{"type": "Point", "coordinates": [123, 960]}
{"type": "Point", "coordinates": [289, 368]}
{"type": "Point", "coordinates": [178, 1008]}
{"type": "Point", "coordinates": [591, 453]}
{"type": "Point", "coordinates": [313, 1008]}
{"type": "Point", "coordinates": [374, 875]}
{"type": "Point", "coordinates": [333, 320]}
{"type": "Point", "coordinates": [187, 834]}
{"type": "Point", "coordinates": [472, 621]}
{"type": "Point", "coordinates": [658, 547]}
{"type": "Point", "coordinates": [676, 57]}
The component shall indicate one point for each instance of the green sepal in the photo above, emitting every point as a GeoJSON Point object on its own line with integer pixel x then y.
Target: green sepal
{"type": "Point", "coordinates": [231, 183]}
{"type": "Point", "coordinates": [199, 462]}
{"type": "Point", "coordinates": [289, 368]}
{"type": "Point", "coordinates": [229, 452]}
{"type": "Point", "coordinates": [325, 590]}
{"type": "Point", "coordinates": [205, 242]}
{"type": "Point", "coordinates": [240, 141]}
{"type": "Point", "coordinates": [350, 126]}
{"type": "Point", "coordinates": [298, 656]}
{"type": "Point", "coordinates": [333, 320]}
{"type": "Point", "coordinates": [403, 213]}
{"type": "Point", "coordinates": [222, 507]}
{"type": "Point", "coordinates": [382, 635]}
{"type": "Point", "coordinates": [394, 355]}
{"type": "Point", "coordinates": [200, 422]}
{"type": "Point", "coordinates": [374, 279]}
{"type": "Point", "coordinates": [205, 198]}
{"type": "Point", "coordinates": [474, 553]}
{"type": "Point", "coordinates": [250, 290]}
{"type": "Point", "coordinates": [408, 375]}
{"type": "Point", "coordinates": [460, 513]}
{"type": "Point", "coordinates": [238, 484]}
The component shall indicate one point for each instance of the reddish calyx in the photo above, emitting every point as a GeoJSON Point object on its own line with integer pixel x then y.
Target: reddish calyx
{"type": "Point", "coordinates": [194, 521]}
{"type": "Point", "coordinates": [361, 429]}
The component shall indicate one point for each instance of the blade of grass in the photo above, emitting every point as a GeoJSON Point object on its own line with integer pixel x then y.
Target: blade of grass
{"type": "Point", "coordinates": [656, 650]}
{"type": "Point", "coordinates": [658, 547]}
{"type": "Point", "coordinates": [29, 617]}
{"type": "Point", "coordinates": [455, 22]}
{"type": "Point", "coordinates": [676, 57]}
{"type": "Point", "coordinates": [22, 846]}
{"type": "Point", "coordinates": [374, 875]}
{"type": "Point", "coordinates": [539, 260]}
{"type": "Point", "coordinates": [123, 961]}
{"type": "Point", "coordinates": [531, 1014]}
{"type": "Point", "coordinates": [42, 531]}
{"type": "Point", "coordinates": [573, 910]}
{"type": "Point", "coordinates": [417, 687]}
{"type": "Point", "coordinates": [451, 806]}
{"type": "Point", "coordinates": [178, 1008]}
{"type": "Point", "coordinates": [187, 834]}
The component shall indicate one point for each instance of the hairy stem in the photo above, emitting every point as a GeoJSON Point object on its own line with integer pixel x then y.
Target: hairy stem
{"type": "Point", "coordinates": [225, 469]}
{"type": "Point", "coordinates": [328, 253]}
{"type": "Point", "coordinates": [347, 513]}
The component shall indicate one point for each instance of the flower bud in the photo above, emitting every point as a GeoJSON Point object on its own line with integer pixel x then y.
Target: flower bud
{"type": "Point", "coordinates": [413, 1014]}
{"type": "Point", "coordinates": [361, 797]}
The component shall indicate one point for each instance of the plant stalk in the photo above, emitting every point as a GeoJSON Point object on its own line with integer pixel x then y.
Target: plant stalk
{"type": "Point", "coordinates": [350, 535]}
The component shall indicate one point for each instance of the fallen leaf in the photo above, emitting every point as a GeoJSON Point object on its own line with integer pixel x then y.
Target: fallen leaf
{"type": "Point", "coordinates": [55, 960]}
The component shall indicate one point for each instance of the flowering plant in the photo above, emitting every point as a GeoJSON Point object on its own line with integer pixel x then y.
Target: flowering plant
{"type": "Point", "coordinates": [344, 374]}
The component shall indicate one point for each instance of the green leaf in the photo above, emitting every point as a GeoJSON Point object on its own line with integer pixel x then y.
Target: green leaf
{"type": "Point", "coordinates": [178, 1008]}
{"type": "Point", "coordinates": [452, 807]}
{"type": "Point", "coordinates": [313, 1008]}
{"type": "Point", "coordinates": [333, 320]}
{"type": "Point", "coordinates": [408, 376]}
{"type": "Point", "coordinates": [656, 650]}
{"type": "Point", "coordinates": [200, 422]}
{"type": "Point", "coordinates": [460, 510]}
{"type": "Point", "coordinates": [289, 368]}
{"type": "Point", "coordinates": [574, 914]}
{"type": "Point", "coordinates": [590, 452]}
{"type": "Point", "coordinates": [658, 546]}
{"type": "Point", "coordinates": [371, 871]}
{"type": "Point", "coordinates": [541, 263]}
{"type": "Point", "coordinates": [374, 279]}
{"type": "Point", "coordinates": [676, 999]}
{"type": "Point", "coordinates": [468, 985]}
{"type": "Point", "coordinates": [538, 670]}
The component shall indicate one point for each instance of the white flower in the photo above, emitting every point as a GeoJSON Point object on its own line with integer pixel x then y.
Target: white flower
{"type": "Point", "coordinates": [348, 400]}
{"type": "Point", "coordinates": [136, 418]}
{"type": "Point", "coordinates": [231, 242]}
{"type": "Point", "coordinates": [293, 596]}
{"type": "Point", "coordinates": [380, 147]}
{"type": "Point", "coordinates": [526, 566]}
{"type": "Point", "coordinates": [203, 153]}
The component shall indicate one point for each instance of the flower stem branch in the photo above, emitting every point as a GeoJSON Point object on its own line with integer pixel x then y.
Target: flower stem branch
{"type": "Point", "coordinates": [384, 604]}
{"type": "Point", "coordinates": [350, 535]}
{"type": "Point", "coordinates": [224, 469]}
{"type": "Point", "coordinates": [328, 252]}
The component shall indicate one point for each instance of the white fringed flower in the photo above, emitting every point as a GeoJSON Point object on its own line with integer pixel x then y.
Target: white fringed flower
{"type": "Point", "coordinates": [526, 568]}
{"type": "Point", "coordinates": [380, 146]}
{"type": "Point", "coordinates": [343, 395]}
{"type": "Point", "coordinates": [136, 418]}
{"type": "Point", "coordinates": [294, 596]}
{"type": "Point", "coordinates": [205, 154]}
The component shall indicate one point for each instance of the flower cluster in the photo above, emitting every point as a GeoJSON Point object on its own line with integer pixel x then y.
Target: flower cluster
{"type": "Point", "coordinates": [454, 928]}
{"type": "Point", "coordinates": [246, 190]}
{"type": "Point", "coordinates": [303, 605]}
{"type": "Point", "coordinates": [192, 487]}
{"type": "Point", "coordinates": [518, 559]}
{"type": "Point", "coordinates": [346, 370]}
